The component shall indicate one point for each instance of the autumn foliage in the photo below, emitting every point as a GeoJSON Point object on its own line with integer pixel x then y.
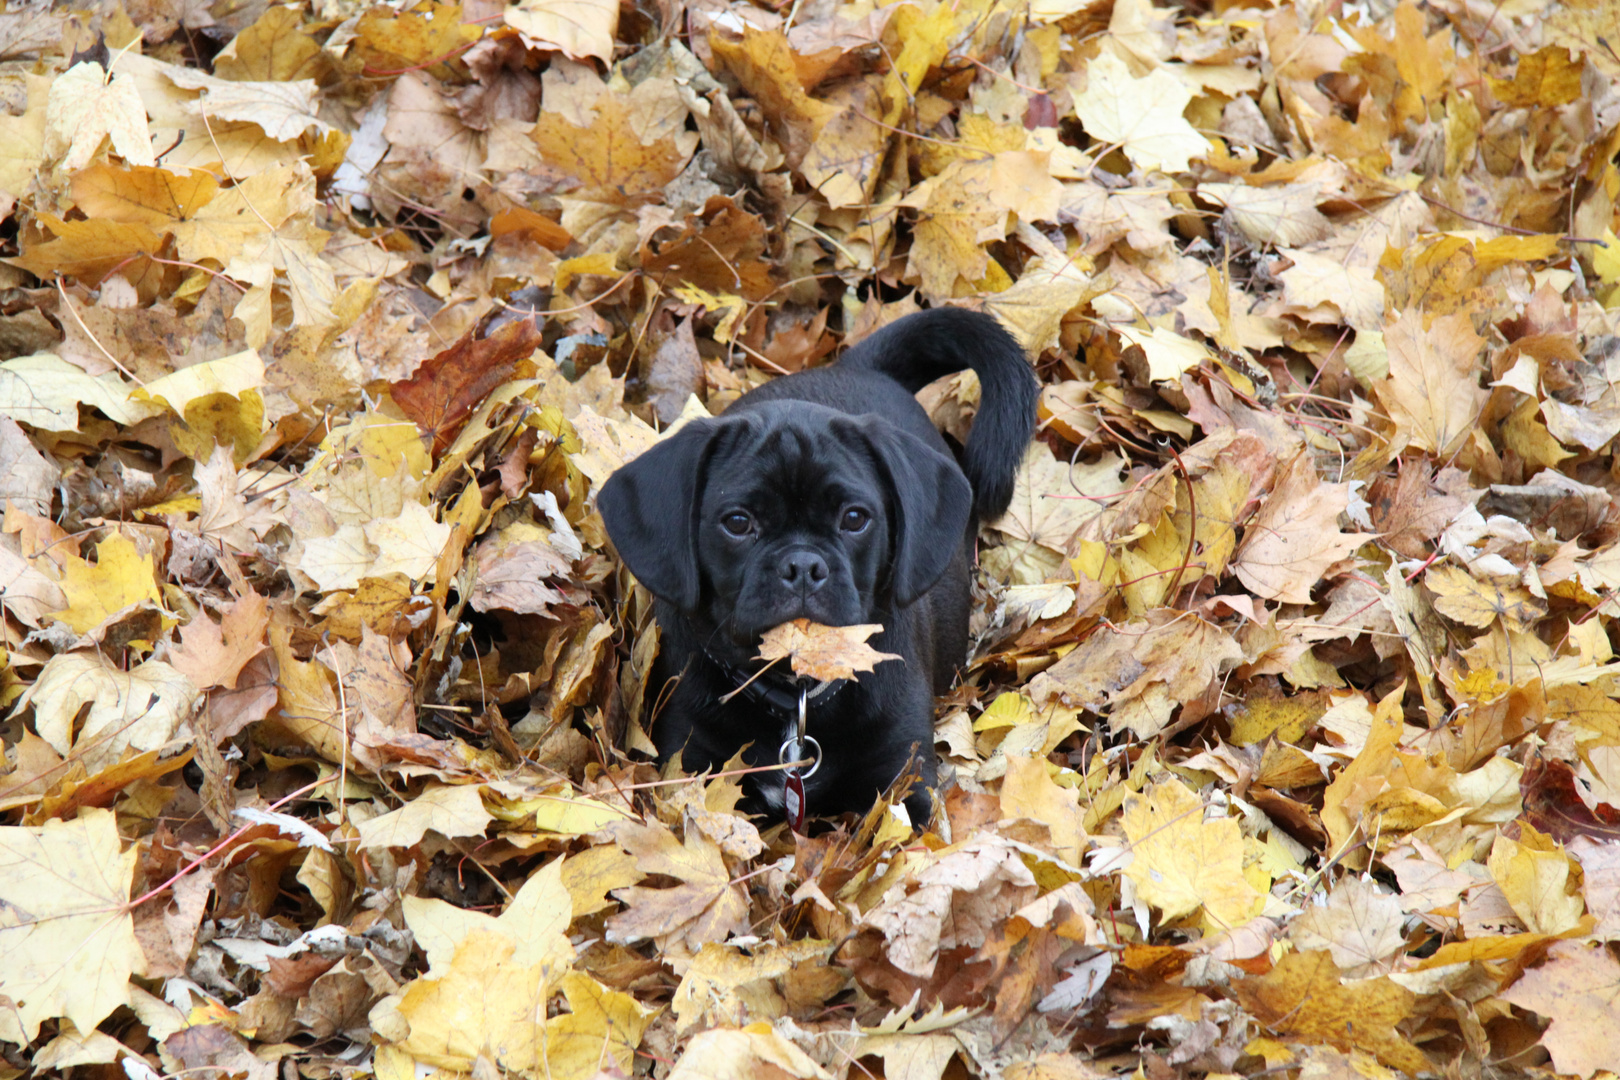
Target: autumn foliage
{"type": "Point", "coordinates": [1290, 740]}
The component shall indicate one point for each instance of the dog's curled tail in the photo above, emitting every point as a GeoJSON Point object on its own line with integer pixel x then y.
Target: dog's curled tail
{"type": "Point", "coordinates": [915, 351]}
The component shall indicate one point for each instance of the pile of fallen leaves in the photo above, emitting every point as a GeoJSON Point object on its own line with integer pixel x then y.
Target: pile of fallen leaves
{"type": "Point", "coordinates": [1290, 740]}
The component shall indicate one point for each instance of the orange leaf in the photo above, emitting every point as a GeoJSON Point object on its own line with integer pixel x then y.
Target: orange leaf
{"type": "Point", "coordinates": [445, 390]}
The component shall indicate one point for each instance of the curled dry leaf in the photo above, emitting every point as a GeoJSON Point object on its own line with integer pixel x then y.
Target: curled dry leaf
{"type": "Point", "coordinates": [140, 709]}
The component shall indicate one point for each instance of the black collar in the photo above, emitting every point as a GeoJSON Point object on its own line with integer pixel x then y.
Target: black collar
{"type": "Point", "coordinates": [775, 694]}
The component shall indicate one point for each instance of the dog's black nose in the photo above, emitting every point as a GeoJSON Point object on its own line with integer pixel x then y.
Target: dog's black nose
{"type": "Point", "coordinates": [804, 570]}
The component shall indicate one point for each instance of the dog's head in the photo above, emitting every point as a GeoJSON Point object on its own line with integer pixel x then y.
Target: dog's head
{"type": "Point", "coordinates": [787, 510]}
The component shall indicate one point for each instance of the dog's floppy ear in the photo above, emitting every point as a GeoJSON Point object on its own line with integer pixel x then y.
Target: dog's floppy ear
{"type": "Point", "coordinates": [650, 507]}
{"type": "Point", "coordinates": [934, 501]}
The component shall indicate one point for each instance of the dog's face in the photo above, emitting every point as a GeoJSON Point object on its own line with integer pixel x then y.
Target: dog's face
{"type": "Point", "coordinates": [788, 510]}
{"type": "Point", "coordinates": [792, 523]}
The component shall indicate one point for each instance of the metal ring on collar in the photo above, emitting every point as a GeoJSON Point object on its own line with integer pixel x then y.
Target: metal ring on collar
{"type": "Point", "coordinates": [810, 745]}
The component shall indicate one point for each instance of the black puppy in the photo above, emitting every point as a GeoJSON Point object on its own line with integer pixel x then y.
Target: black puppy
{"type": "Point", "coordinates": [825, 495]}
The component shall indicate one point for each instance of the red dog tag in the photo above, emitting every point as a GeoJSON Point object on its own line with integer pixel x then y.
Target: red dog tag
{"type": "Point", "coordinates": [793, 800]}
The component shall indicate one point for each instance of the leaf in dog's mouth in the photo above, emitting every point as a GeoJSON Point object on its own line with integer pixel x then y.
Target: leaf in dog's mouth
{"type": "Point", "coordinates": [823, 652]}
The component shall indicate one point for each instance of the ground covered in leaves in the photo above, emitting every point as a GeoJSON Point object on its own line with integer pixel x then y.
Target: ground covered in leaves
{"type": "Point", "coordinates": [1289, 743]}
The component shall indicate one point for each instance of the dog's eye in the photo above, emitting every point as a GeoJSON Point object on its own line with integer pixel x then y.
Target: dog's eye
{"type": "Point", "coordinates": [855, 520]}
{"type": "Point", "coordinates": [737, 523]}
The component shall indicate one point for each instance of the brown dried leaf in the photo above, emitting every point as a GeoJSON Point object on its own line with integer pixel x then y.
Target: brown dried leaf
{"type": "Point", "coordinates": [706, 906]}
{"type": "Point", "coordinates": [823, 652]}
{"type": "Point", "coordinates": [442, 393]}
{"type": "Point", "coordinates": [1576, 988]}
{"type": "Point", "coordinates": [1433, 392]}
{"type": "Point", "coordinates": [1295, 537]}
{"type": "Point", "coordinates": [213, 654]}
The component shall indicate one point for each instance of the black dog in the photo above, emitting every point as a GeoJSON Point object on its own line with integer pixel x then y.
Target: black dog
{"type": "Point", "coordinates": [826, 495]}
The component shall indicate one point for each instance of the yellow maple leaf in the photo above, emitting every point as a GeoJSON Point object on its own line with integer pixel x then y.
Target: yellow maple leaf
{"type": "Point", "coordinates": [1153, 563]}
{"type": "Point", "coordinates": [232, 423]}
{"type": "Point", "coordinates": [766, 65]}
{"type": "Point", "coordinates": [1365, 777]}
{"type": "Point", "coordinates": [595, 872]}
{"type": "Point", "coordinates": [308, 712]}
{"type": "Point", "coordinates": [846, 157]}
{"type": "Point", "coordinates": [1541, 883]}
{"type": "Point", "coordinates": [485, 998]}
{"type": "Point", "coordinates": [422, 37]}
{"type": "Point", "coordinates": [1305, 997]}
{"type": "Point", "coordinates": [1183, 863]}
{"type": "Point", "coordinates": [574, 815]}
{"type": "Point", "coordinates": [68, 940]}
{"type": "Point", "coordinates": [1168, 353]}
{"type": "Point", "coordinates": [608, 158]}
{"type": "Point", "coordinates": [1051, 286]}
{"type": "Point", "coordinates": [1359, 926]}
{"type": "Point", "coordinates": [450, 810]}
{"type": "Point", "coordinates": [535, 923]}
{"type": "Point", "coordinates": [91, 250]}
{"type": "Point", "coordinates": [10, 686]}
{"type": "Point", "coordinates": [925, 40]}
{"type": "Point", "coordinates": [282, 110]}
{"type": "Point", "coordinates": [1141, 116]}
{"type": "Point", "coordinates": [141, 194]}
{"type": "Point", "coordinates": [87, 105]}
{"type": "Point", "coordinates": [601, 1026]}
{"type": "Point", "coordinates": [235, 375]}
{"type": "Point", "coordinates": [408, 543]}
{"type": "Point", "coordinates": [256, 205]}
{"type": "Point", "coordinates": [1222, 492]}
{"type": "Point", "coordinates": [730, 307]}
{"type": "Point", "coordinates": [309, 280]}
{"type": "Point", "coordinates": [1028, 791]}
{"type": "Point", "coordinates": [1524, 432]}
{"type": "Point", "coordinates": [955, 218]}
{"type": "Point", "coordinates": [1284, 214]}
{"type": "Point", "coordinates": [1549, 76]}
{"type": "Point", "coordinates": [1606, 258]}
{"type": "Point", "coordinates": [276, 48]}
{"type": "Point", "coordinates": [119, 578]}
{"type": "Point", "coordinates": [1322, 278]}
{"type": "Point", "coordinates": [716, 986]}
{"type": "Point", "coordinates": [1461, 596]}
{"type": "Point", "coordinates": [1268, 712]}
{"type": "Point", "coordinates": [1021, 181]}
{"type": "Point", "coordinates": [488, 983]}
{"type": "Point", "coordinates": [1051, 501]}
{"type": "Point", "coordinates": [46, 391]}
